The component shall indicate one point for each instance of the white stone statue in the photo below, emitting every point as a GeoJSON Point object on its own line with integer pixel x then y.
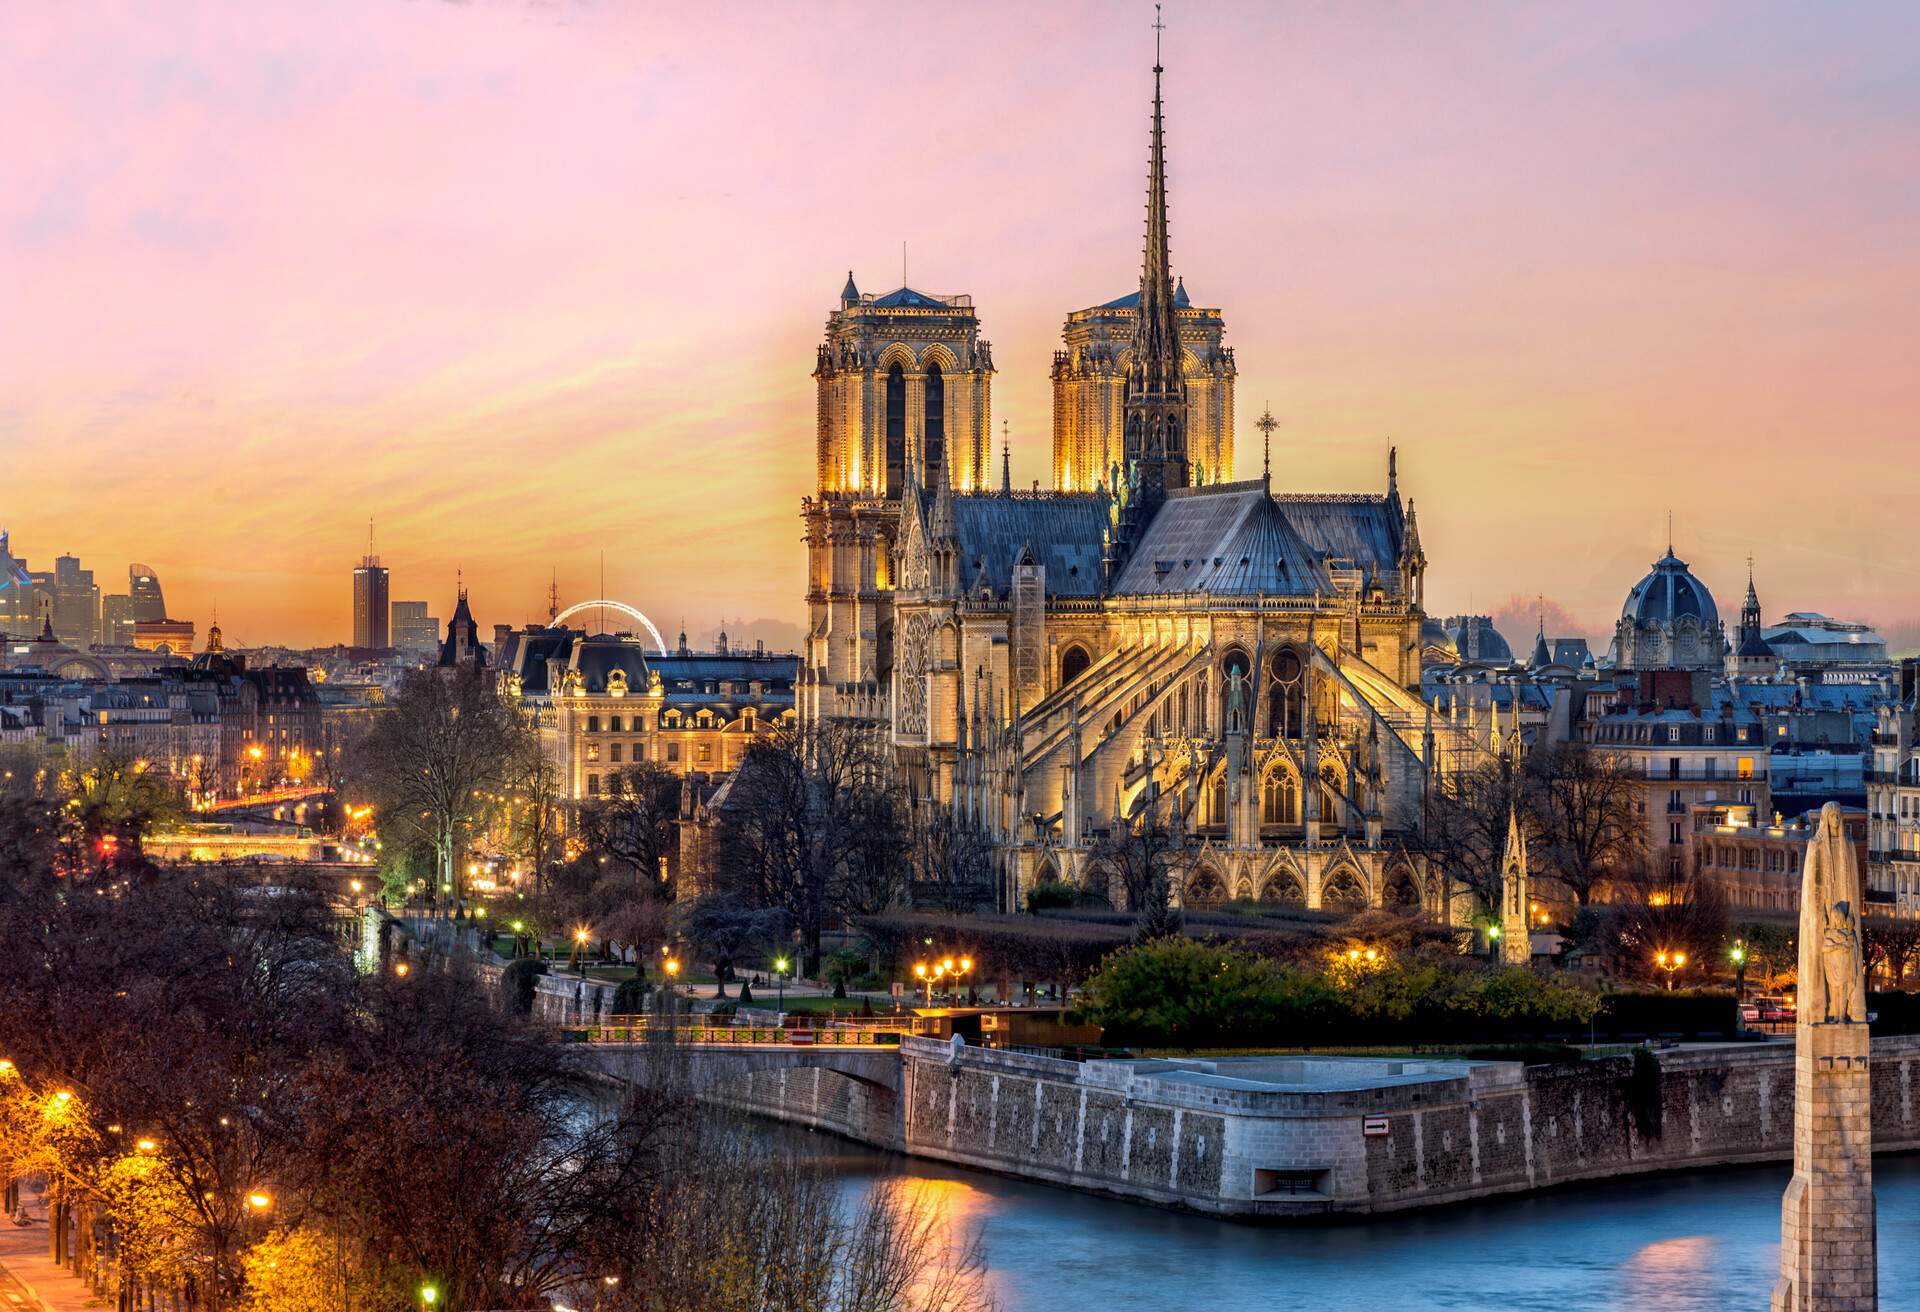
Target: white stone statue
{"type": "Point", "coordinates": [1831, 963]}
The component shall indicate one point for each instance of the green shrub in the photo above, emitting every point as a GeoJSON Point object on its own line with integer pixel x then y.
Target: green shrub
{"type": "Point", "coordinates": [1051, 895]}
{"type": "Point", "coordinates": [1176, 992]}
{"type": "Point", "coordinates": [517, 985]}
{"type": "Point", "coordinates": [630, 999]}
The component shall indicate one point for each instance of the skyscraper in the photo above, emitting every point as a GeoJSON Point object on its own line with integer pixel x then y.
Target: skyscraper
{"type": "Point", "coordinates": [143, 585]}
{"type": "Point", "coordinates": [370, 613]}
{"type": "Point", "coordinates": [413, 628]}
{"type": "Point", "coordinates": [74, 602]}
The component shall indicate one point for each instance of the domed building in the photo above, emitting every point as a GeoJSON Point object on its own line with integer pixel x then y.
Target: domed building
{"type": "Point", "coordinates": [1669, 622]}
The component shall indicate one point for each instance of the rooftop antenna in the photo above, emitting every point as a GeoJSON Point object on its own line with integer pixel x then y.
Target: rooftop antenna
{"type": "Point", "coordinates": [370, 556]}
{"type": "Point", "coordinates": [603, 590]}
{"type": "Point", "coordinates": [1669, 532]}
{"type": "Point", "coordinates": [1266, 423]}
{"type": "Point", "coordinates": [1158, 28]}
{"type": "Point", "coordinates": [553, 598]}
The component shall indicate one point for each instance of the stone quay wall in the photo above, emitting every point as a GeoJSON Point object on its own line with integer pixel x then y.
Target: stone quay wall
{"type": "Point", "coordinates": [1295, 1137]}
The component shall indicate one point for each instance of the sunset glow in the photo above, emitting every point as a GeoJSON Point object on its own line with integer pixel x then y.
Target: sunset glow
{"type": "Point", "coordinates": [526, 284]}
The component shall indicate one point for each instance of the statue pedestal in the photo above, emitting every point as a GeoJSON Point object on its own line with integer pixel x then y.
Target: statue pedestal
{"type": "Point", "coordinates": [1827, 1240]}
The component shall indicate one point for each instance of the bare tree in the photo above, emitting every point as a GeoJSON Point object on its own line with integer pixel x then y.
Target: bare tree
{"type": "Point", "coordinates": [952, 860]}
{"type": "Point", "coordinates": [1145, 852]}
{"type": "Point", "coordinates": [431, 761]}
{"type": "Point", "coordinates": [1892, 946]}
{"type": "Point", "coordinates": [634, 824]}
{"type": "Point", "coordinates": [804, 827]}
{"type": "Point", "coordinates": [1464, 828]}
{"type": "Point", "coordinates": [1589, 823]}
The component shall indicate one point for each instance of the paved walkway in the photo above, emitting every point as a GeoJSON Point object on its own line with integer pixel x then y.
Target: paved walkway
{"type": "Point", "coordinates": [29, 1280]}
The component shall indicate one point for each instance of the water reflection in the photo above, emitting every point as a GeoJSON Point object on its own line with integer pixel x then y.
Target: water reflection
{"type": "Point", "coordinates": [1706, 1243]}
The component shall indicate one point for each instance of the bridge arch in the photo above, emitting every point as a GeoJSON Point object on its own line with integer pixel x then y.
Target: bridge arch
{"type": "Point", "coordinates": [621, 606]}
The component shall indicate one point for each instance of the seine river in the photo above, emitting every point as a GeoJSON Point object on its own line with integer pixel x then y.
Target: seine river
{"type": "Point", "coordinates": [1705, 1243]}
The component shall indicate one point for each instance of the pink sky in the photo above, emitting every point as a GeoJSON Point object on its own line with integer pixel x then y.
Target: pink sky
{"type": "Point", "coordinates": [527, 282]}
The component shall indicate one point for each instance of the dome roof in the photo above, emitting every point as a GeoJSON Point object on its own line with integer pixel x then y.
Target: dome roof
{"type": "Point", "coordinates": [1669, 593]}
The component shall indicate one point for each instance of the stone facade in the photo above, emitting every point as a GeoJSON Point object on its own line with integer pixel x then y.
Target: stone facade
{"type": "Point", "coordinates": [1302, 1137]}
{"type": "Point", "coordinates": [1144, 644]}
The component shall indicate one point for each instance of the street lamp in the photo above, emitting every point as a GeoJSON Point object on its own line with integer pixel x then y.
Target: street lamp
{"type": "Point", "coordinates": [1738, 954]}
{"type": "Point", "coordinates": [929, 976]}
{"type": "Point", "coordinates": [259, 1202]}
{"type": "Point", "coordinates": [1669, 962]}
{"type": "Point", "coordinates": [1493, 941]}
{"type": "Point", "coordinates": [580, 948]}
{"type": "Point", "coordinates": [780, 981]}
{"type": "Point", "coordinates": [428, 1296]}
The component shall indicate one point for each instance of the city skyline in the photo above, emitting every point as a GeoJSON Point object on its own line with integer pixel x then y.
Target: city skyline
{"type": "Point", "coordinates": [1643, 267]}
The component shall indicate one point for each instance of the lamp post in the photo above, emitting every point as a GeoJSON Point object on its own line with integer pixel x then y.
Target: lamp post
{"type": "Point", "coordinates": [1669, 962]}
{"type": "Point", "coordinates": [673, 1005]}
{"type": "Point", "coordinates": [780, 982]}
{"type": "Point", "coordinates": [580, 950]}
{"type": "Point", "coordinates": [1493, 942]}
{"type": "Point", "coordinates": [1738, 953]}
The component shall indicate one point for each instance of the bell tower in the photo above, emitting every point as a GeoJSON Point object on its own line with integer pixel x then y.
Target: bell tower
{"type": "Point", "coordinates": [903, 407]}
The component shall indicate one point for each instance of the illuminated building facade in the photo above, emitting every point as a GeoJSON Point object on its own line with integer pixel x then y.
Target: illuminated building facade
{"type": "Point", "coordinates": [370, 605]}
{"type": "Point", "coordinates": [1090, 384]}
{"type": "Point", "coordinates": [1145, 641]}
{"type": "Point", "coordinates": [604, 704]}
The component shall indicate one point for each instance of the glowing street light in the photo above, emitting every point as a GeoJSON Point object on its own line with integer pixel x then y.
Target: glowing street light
{"type": "Point", "coordinates": [780, 980]}
{"type": "Point", "coordinates": [146, 1146]}
{"type": "Point", "coordinates": [1669, 962]}
{"type": "Point", "coordinates": [259, 1202]}
{"type": "Point", "coordinates": [428, 1296]}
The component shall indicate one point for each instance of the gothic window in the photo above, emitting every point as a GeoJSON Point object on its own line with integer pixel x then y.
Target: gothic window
{"type": "Point", "coordinates": [910, 681]}
{"type": "Point", "coordinates": [1073, 663]}
{"type": "Point", "coordinates": [896, 429]}
{"type": "Point", "coordinates": [1217, 802]}
{"type": "Point", "coordinates": [1285, 697]}
{"type": "Point", "coordinates": [1279, 800]}
{"type": "Point", "coordinates": [936, 397]}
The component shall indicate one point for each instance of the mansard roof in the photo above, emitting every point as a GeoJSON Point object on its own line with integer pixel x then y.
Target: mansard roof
{"type": "Point", "coordinates": [1063, 530]}
{"type": "Point", "coordinates": [1228, 539]}
{"type": "Point", "coordinates": [1361, 530]}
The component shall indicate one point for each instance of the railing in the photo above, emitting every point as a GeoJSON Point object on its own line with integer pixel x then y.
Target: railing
{"type": "Point", "coordinates": [829, 1033]}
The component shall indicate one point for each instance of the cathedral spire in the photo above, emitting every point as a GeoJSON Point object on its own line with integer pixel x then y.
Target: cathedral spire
{"type": "Point", "coordinates": [1156, 403]}
{"type": "Point", "coordinates": [1006, 460]}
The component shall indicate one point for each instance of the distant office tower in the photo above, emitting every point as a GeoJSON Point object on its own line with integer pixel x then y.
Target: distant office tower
{"type": "Point", "coordinates": [116, 620]}
{"type": "Point", "coordinates": [19, 603]}
{"type": "Point", "coordinates": [143, 586]}
{"type": "Point", "coordinates": [413, 628]}
{"type": "Point", "coordinates": [370, 611]}
{"type": "Point", "coordinates": [74, 602]}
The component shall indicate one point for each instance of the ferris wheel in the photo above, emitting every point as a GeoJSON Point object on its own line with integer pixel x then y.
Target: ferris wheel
{"type": "Point", "coordinates": [621, 606]}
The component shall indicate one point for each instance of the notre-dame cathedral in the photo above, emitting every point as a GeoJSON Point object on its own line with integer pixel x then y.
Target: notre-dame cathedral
{"type": "Point", "coordinates": [1150, 635]}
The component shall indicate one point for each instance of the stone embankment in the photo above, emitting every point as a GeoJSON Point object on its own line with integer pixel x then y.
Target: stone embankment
{"type": "Point", "coordinates": [1288, 1137]}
